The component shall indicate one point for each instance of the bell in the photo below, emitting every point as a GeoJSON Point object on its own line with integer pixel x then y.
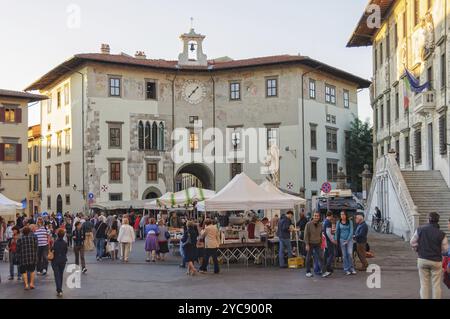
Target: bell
{"type": "Point", "coordinates": [192, 47]}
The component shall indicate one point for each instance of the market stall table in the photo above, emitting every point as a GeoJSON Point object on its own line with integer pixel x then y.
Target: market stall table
{"type": "Point", "coordinates": [242, 250]}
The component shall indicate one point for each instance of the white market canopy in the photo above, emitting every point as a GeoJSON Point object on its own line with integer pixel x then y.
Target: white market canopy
{"type": "Point", "coordinates": [242, 193]}
{"type": "Point", "coordinates": [269, 187]}
{"type": "Point", "coordinates": [113, 205]}
{"type": "Point", "coordinates": [181, 199]}
{"type": "Point", "coordinates": [8, 206]}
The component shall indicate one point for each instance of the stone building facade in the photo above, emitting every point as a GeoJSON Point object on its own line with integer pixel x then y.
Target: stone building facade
{"type": "Point", "coordinates": [130, 105]}
{"type": "Point", "coordinates": [34, 169]}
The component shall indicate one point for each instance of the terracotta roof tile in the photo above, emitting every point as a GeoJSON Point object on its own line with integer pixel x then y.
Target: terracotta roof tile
{"type": "Point", "coordinates": [22, 95]}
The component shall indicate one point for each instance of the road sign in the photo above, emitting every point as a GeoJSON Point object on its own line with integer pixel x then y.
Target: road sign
{"type": "Point", "coordinates": [326, 187]}
{"type": "Point", "coordinates": [91, 195]}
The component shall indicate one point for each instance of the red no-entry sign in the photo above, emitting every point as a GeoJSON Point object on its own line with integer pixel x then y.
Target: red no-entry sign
{"type": "Point", "coordinates": [326, 187]}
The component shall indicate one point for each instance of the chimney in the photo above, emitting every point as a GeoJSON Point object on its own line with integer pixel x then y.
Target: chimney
{"type": "Point", "coordinates": [105, 48]}
{"type": "Point", "coordinates": [140, 55]}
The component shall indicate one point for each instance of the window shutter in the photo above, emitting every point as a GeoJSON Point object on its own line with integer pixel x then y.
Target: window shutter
{"type": "Point", "coordinates": [2, 151]}
{"type": "Point", "coordinates": [442, 135]}
{"type": "Point", "coordinates": [2, 114]}
{"type": "Point", "coordinates": [18, 152]}
{"type": "Point", "coordinates": [18, 115]}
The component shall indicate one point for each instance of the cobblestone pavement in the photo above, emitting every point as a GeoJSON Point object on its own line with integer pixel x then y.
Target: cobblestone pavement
{"type": "Point", "coordinates": [138, 279]}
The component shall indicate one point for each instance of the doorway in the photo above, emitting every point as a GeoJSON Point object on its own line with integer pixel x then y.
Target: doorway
{"type": "Point", "coordinates": [430, 147]}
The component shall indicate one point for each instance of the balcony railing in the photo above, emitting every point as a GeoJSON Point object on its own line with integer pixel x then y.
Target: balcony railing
{"type": "Point", "coordinates": [425, 102]}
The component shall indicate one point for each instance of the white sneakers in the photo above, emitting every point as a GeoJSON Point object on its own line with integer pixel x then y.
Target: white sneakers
{"type": "Point", "coordinates": [326, 274]}
{"type": "Point", "coordinates": [309, 275]}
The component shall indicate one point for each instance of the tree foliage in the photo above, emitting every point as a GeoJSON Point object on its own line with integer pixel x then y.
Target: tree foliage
{"type": "Point", "coordinates": [359, 152]}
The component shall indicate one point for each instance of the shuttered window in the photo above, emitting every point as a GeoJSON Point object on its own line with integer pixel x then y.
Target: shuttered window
{"type": "Point", "coordinates": [442, 135]}
{"type": "Point", "coordinates": [418, 146]}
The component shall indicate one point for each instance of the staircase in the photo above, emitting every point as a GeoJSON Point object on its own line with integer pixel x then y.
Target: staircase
{"type": "Point", "coordinates": [430, 193]}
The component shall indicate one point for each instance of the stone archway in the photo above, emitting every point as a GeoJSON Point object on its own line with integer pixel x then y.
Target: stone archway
{"type": "Point", "coordinates": [194, 174]}
{"type": "Point", "coordinates": [151, 193]}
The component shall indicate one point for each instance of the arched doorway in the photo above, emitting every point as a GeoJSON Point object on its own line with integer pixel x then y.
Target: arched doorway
{"type": "Point", "coordinates": [151, 193]}
{"type": "Point", "coordinates": [59, 204]}
{"type": "Point", "coordinates": [194, 175]}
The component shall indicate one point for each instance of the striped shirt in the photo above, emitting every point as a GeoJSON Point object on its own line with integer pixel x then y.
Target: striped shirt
{"type": "Point", "coordinates": [42, 236]}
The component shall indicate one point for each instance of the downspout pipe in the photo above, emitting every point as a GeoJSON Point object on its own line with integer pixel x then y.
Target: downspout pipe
{"type": "Point", "coordinates": [173, 127]}
{"type": "Point", "coordinates": [214, 124]}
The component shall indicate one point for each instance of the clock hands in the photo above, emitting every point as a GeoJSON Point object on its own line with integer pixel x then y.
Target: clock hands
{"type": "Point", "coordinates": [193, 91]}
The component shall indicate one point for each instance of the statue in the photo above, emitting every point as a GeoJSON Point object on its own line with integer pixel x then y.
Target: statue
{"type": "Point", "coordinates": [272, 165]}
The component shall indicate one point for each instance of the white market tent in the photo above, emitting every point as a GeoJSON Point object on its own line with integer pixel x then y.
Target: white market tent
{"type": "Point", "coordinates": [181, 198]}
{"type": "Point", "coordinates": [113, 205]}
{"type": "Point", "coordinates": [242, 193]}
{"type": "Point", "coordinates": [8, 207]}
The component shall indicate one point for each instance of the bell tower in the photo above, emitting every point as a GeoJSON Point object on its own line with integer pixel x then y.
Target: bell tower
{"type": "Point", "coordinates": [192, 54]}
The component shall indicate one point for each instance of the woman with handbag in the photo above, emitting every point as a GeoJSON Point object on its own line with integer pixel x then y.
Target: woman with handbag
{"type": "Point", "coordinates": [58, 257]}
{"type": "Point", "coordinates": [344, 235]}
{"type": "Point", "coordinates": [12, 247]}
{"type": "Point", "coordinates": [190, 246]}
{"type": "Point", "coordinates": [113, 245]}
{"type": "Point", "coordinates": [163, 237]}
{"type": "Point", "coordinates": [126, 238]}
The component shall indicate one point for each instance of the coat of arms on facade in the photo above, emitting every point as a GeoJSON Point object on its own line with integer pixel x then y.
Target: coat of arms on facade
{"type": "Point", "coordinates": [428, 35]}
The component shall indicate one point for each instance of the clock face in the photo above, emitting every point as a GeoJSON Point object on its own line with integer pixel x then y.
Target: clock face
{"type": "Point", "coordinates": [194, 91]}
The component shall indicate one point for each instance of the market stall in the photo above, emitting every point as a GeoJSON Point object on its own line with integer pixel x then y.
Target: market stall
{"type": "Point", "coordinates": [112, 206]}
{"type": "Point", "coordinates": [8, 207]}
{"type": "Point", "coordinates": [243, 194]}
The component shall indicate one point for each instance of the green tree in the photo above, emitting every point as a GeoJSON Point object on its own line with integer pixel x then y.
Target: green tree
{"type": "Point", "coordinates": [358, 152]}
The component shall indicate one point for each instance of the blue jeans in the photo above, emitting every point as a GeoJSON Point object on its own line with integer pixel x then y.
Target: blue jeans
{"type": "Point", "coordinates": [315, 252]}
{"type": "Point", "coordinates": [330, 253]}
{"type": "Point", "coordinates": [58, 271]}
{"type": "Point", "coordinates": [347, 251]}
{"type": "Point", "coordinates": [100, 244]}
{"type": "Point", "coordinates": [284, 243]}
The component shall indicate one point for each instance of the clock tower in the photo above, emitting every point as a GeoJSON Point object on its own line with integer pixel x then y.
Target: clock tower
{"type": "Point", "coordinates": [192, 54]}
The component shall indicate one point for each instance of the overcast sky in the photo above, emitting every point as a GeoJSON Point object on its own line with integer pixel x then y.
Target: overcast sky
{"type": "Point", "coordinates": [38, 35]}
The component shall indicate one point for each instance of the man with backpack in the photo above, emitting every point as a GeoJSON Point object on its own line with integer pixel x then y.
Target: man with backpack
{"type": "Point", "coordinates": [430, 243]}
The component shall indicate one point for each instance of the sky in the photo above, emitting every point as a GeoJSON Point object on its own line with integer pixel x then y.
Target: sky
{"type": "Point", "coordinates": [38, 35]}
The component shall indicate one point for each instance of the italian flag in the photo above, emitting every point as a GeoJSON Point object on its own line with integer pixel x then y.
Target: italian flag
{"type": "Point", "coordinates": [406, 88]}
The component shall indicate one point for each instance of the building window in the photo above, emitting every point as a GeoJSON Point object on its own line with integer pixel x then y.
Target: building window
{"type": "Point", "coordinates": [236, 169]}
{"type": "Point", "coordinates": [381, 116]}
{"type": "Point", "coordinates": [416, 12]}
{"type": "Point", "coordinates": [49, 146]}
{"type": "Point", "coordinates": [443, 134]}
{"type": "Point", "coordinates": [193, 141]}
{"type": "Point", "coordinates": [375, 59]}
{"type": "Point", "coordinates": [49, 202]}
{"type": "Point", "coordinates": [332, 169]}
{"type": "Point", "coordinates": [58, 175]}
{"type": "Point", "coordinates": [397, 150]}
{"type": "Point", "coordinates": [141, 135]}
{"type": "Point", "coordinates": [418, 146]}
{"type": "Point", "coordinates": [193, 119]}
{"type": "Point", "coordinates": [67, 141]}
{"type": "Point", "coordinates": [407, 152]}
{"type": "Point", "coordinates": [272, 136]}
{"type": "Point", "coordinates": [29, 183]}
{"type": "Point", "coordinates": [330, 94]}
{"type": "Point", "coordinates": [430, 77]}
{"type": "Point", "coordinates": [397, 106]}
{"type": "Point", "coordinates": [47, 175]}
{"type": "Point", "coordinates": [375, 118]}
{"type": "Point", "coordinates": [58, 143]}
{"type": "Point", "coordinates": [115, 196]}
{"type": "Point", "coordinates": [395, 35]}
{"type": "Point", "coordinates": [154, 136]}
{"type": "Point", "coordinates": [331, 140]}
{"type": "Point", "coordinates": [58, 99]}
{"type": "Point", "coordinates": [443, 70]}
{"type": "Point", "coordinates": [405, 24]}
{"type": "Point", "coordinates": [67, 199]}
{"type": "Point", "coordinates": [35, 182]}
{"type": "Point", "coordinates": [29, 155]}
{"type": "Point", "coordinates": [67, 174]}
{"type": "Point", "coordinates": [382, 150]}
{"type": "Point", "coordinates": [66, 94]}
{"type": "Point", "coordinates": [151, 90]}
{"type": "Point", "coordinates": [114, 86]}
{"type": "Point", "coordinates": [314, 137]}
{"type": "Point", "coordinates": [49, 104]}
{"type": "Point", "coordinates": [152, 172]}
{"type": "Point", "coordinates": [388, 110]}
{"type": "Point", "coordinates": [235, 91]}
{"type": "Point", "coordinates": [381, 53]}
{"type": "Point", "coordinates": [10, 115]}
{"type": "Point", "coordinates": [11, 152]}
{"type": "Point", "coordinates": [312, 89]}
{"type": "Point", "coordinates": [346, 99]}
{"type": "Point", "coordinates": [314, 170]}
{"type": "Point", "coordinates": [36, 153]}
{"type": "Point", "coordinates": [148, 136]}
{"type": "Point", "coordinates": [115, 136]}
{"type": "Point", "coordinates": [272, 87]}
{"type": "Point", "coordinates": [115, 175]}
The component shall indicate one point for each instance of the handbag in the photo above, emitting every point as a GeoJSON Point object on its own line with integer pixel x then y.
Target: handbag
{"type": "Point", "coordinates": [167, 235]}
{"type": "Point", "coordinates": [50, 255]}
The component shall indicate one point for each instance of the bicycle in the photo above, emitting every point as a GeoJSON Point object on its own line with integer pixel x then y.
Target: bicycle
{"type": "Point", "coordinates": [377, 224]}
{"type": "Point", "coordinates": [385, 227]}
